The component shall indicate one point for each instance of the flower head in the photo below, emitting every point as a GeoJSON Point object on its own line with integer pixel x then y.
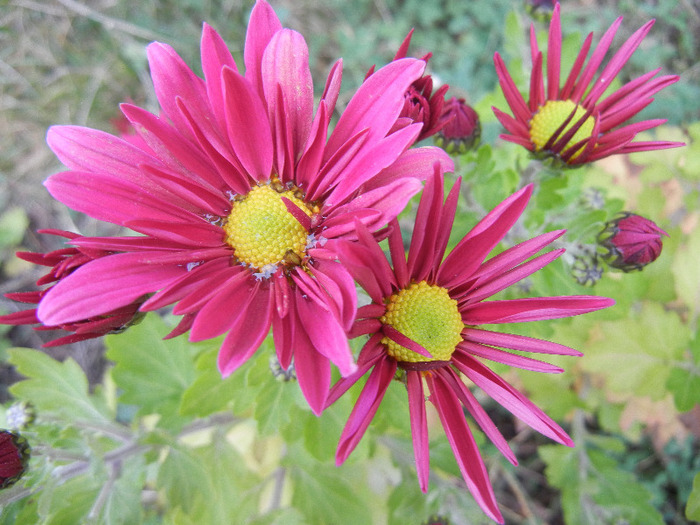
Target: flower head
{"type": "Point", "coordinates": [460, 130]}
{"type": "Point", "coordinates": [14, 456]}
{"type": "Point", "coordinates": [426, 320]}
{"type": "Point", "coordinates": [235, 191]}
{"type": "Point", "coordinates": [578, 123]}
{"type": "Point", "coordinates": [631, 241]}
{"type": "Point", "coordinates": [63, 262]}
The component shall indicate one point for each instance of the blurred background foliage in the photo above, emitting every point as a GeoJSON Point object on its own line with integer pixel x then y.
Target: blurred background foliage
{"type": "Point", "coordinates": [242, 447]}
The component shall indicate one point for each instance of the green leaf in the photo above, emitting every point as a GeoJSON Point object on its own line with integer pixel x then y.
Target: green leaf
{"type": "Point", "coordinates": [123, 506]}
{"type": "Point", "coordinates": [54, 386]}
{"type": "Point", "coordinates": [692, 509]}
{"type": "Point", "coordinates": [182, 477]}
{"type": "Point", "coordinates": [636, 354]}
{"type": "Point", "coordinates": [327, 495]}
{"type": "Point", "coordinates": [13, 225]}
{"type": "Point", "coordinates": [152, 373]}
{"type": "Point", "coordinates": [686, 272]}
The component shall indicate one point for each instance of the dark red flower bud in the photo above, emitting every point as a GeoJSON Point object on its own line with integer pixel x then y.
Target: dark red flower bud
{"type": "Point", "coordinates": [14, 456]}
{"type": "Point", "coordinates": [631, 241]}
{"type": "Point", "coordinates": [460, 127]}
{"type": "Point", "coordinates": [62, 263]}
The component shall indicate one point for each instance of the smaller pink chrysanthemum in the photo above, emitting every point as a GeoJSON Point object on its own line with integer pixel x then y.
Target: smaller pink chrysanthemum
{"type": "Point", "coordinates": [576, 123]}
{"type": "Point", "coordinates": [426, 318]}
{"type": "Point", "coordinates": [64, 262]}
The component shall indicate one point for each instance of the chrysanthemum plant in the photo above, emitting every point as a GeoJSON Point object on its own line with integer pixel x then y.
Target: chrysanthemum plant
{"type": "Point", "coordinates": [354, 328]}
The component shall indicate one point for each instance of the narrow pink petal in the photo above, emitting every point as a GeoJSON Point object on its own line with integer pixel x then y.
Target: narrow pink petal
{"type": "Point", "coordinates": [313, 370]}
{"type": "Point", "coordinates": [248, 125]}
{"type": "Point", "coordinates": [182, 327]}
{"type": "Point", "coordinates": [310, 162]}
{"type": "Point", "coordinates": [224, 307]}
{"type": "Point", "coordinates": [103, 285]}
{"type": "Point", "coordinates": [215, 56]}
{"type": "Point", "coordinates": [371, 353]}
{"type": "Point", "coordinates": [377, 103]}
{"type": "Point", "coordinates": [172, 80]}
{"type": "Point", "coordinates": [209, 286]}
{"type": "Point", "coordinates": [616, 63]}
{"type": "Point", "coordinates": [370, 162]}
{"type": "Point", "coordinates": [462, 443]}
{"type": "Point", "coordinates": [328, 176]}
{"type": "Point", "coordinates": [532, 309]}
{"type": "Point", "coordinates": [596, 59]}
{"type": "Point", "coordinates": [365, 407]}
{"type": "Point", "coordinates": [446, 221]}
{"type": "Point", "coordinates": [554, 55]}
{"type": "Point", "coordinates": [332, 87]}
{"type": "Point", "coordinates": [371, 273]}
{"type": "Point", "coordinates": [510, 277]}
{"type": "Point", "coordinates": [416, 163]}
{"type": "Point", "coordinates": [517, 342]}
{"type": "Point", "coordinates": [283, 329]}
{"type": "Point", "coordinates": [247, 333]}
{"type": "Point", "coordinates": [536, 84]}
{"type": "Point", "coordinates": [419, 427]}
{"type": "Point", "coordinates": [398, 255]}
{"type": "Point", "coordinates": [471, 251]}
{"type": "Point", "coordinates": [477, 412]}
{"type": "Point", "coordinates": [339, 285]}
{"type": "Point", "coordinates": [285, 64]}
{"type": "Point", "coordinates": [515, 100]}
{"type": "Point", "coordinates": [342, 225]}
{"type": "Point", "coordinates": [634, 147]}
{"type": "Point", "coordinates": [506, 358]}
{"type": "Point", "coordinates": [121, 244]}
{"type": "Point", "coordinates": [326, 334]}
{"type": "Point", "coordinates": [262, 26]}
{"type": "Point", "coordinates": [283, 294]}
{"type": "Point", "coordinates": [508, 397]}
{"type": "Point", "coordinates": [576, 68]}
{"type": "Point", "coordinates": [513, 126]}
{"type": "Point", "coordinates": [399, 338]}
{"type": "Point", "coordinates": [296, 212]}
{"type": "Point", "coordinates": [194, 233]}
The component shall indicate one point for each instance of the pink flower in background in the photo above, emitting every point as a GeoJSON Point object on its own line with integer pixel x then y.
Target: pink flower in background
{"type": "Point", "coordinates": [426, 320]}
{"type": "Point", "coordinates": [632, 242]}
{"type": "Point", "coordinates": [63, 262]}
{"type": "Point", "coordinates": [235, 192]}
{"type": "Point", "coordinates": [576, 123]}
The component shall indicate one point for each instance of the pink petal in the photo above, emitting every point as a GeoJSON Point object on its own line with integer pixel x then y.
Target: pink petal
{"type": "Point", "coordinates": [416, 163]}
{"type": "Point", "coordinates": [517, 342]}
{"type": "Point", "coordinates": [365, 408]}
{"type": "Point", "coordinates": [515, 100]}
{"type": "Point", "coordinates": [462, 443]}
{"type": "Point", "coordinates": [532, 309]}
{"type": "Point", "coordinates": [103, 285]}
{"type": "Point", "coordinates": [215, 56]}
{"type": "Point", "coordinates": [313, 370]}
{"type": "Point", "coordinates": [248, 125]}
{"type": "Point", "coordinates": [419, 427]}
{"type": "Point", "coordinates": [262, 26]}
{"type": "Point", "coordinates": [247, 333]}
{"type": "Point", "coordinates": [506, 358]}
{"type": "Point", "coordinates": [554, 55]}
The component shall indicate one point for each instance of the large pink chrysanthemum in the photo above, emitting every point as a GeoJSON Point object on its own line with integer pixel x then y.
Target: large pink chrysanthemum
{"type": "Point", "coordinates": [576, 123]}
{"type": "Point", "coordinates": [426, 319]}
{"type": "Point", "coordinates": [235, 193]}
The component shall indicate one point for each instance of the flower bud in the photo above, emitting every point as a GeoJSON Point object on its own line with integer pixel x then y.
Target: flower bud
{"type": "Point", "coordinates": [19, 415]}
{"type": "Point", "coordinates": [540, 9]}
{"type": "Point", "coordinates": [460, 127]}
{"type": "Point", "coordinates": [14, 456]}
{"type": "Point", "coordinates": [631, 242]}
{"type": "Point", "coordinates": [586, 267]}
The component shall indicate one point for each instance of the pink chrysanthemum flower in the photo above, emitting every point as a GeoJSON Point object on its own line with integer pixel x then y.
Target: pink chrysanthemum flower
{"type": "Point", "coordinates": [576, 123]}
{"type": "Point", "coordinates": [426, 320]}
{"type": "Point", "coordinates": [63, 262]}
{"type": "Point", "coordinates": [235, 193]}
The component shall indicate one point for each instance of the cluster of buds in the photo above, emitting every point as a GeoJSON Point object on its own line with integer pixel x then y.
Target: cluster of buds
{"type": "Point", "coordinates": [62, 263]}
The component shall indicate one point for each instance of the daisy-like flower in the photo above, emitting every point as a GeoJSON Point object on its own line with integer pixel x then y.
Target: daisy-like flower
{"type": "Point", "coordinates": [63, 262]}
{"type": "Point", "coordinates": [578, 122]}
{"type": "Point", "coordinates": [236, 191]}
{"type": "Point", "coordinates": [426, 318]}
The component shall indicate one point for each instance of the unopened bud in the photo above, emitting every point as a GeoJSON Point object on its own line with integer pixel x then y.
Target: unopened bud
{"type": "Point", "coordinates": [460, 129]}
{"type": "Point", "coordinates": [631, 242]}
{"type": "Point", "coordinates": [14, 456]}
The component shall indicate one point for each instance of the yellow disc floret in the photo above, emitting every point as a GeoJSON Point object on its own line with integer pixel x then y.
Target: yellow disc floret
{"type": "Point", "coordinates": [426, 314]}
{"type": "Point", "coordinates": [551, 116]}
{"type": "Point", "coordinates": [261, 230]}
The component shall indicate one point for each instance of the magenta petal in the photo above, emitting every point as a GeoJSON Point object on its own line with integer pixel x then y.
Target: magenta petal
{"type": "Point", "coordinates": [262, 26]}
{"type": "Point", "coordinates": [248, 125]}
{"type": "Point", "coordinates": [462, 442]}
{"type": "Point", "coordinates": [247, 333]}
{"type": "Point", "coordinates": [416, 163]}
{"type": "Point", "coordinates": [313, 370]}
{"type": "Point", "coordinates": [215, 56]}
{"type": "Point", "coordinates": [506, 358]}
{"type": "Point", "coordinates": [399, 338]}
{"type": "Point", "coordinates": [286, 64]}
{"type": "Point", "coordinates": [103, 285]}
{"type": "Point", "coordinates": [532, 309]}
{"type": "Point", "coordinates": [376, 104]}
{"type": "Point", "coordinates": [338, 283]}
{"type": "Point", "coordinates": [419, 427]}
{"type": "Point", "coordinates": [229, 303]}
{"type": "Point", "coordinates": [517, 342]}
{"type": "Point", "coordinates": [365, 408]}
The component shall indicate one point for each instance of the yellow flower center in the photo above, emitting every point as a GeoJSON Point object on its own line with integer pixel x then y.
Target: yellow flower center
{"type": "Point", "coordinates": [262, 232]}
{"type": "Point", "coordinates": [427, 315]}
{"type": "Point", "coordinates": [551, 116]}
